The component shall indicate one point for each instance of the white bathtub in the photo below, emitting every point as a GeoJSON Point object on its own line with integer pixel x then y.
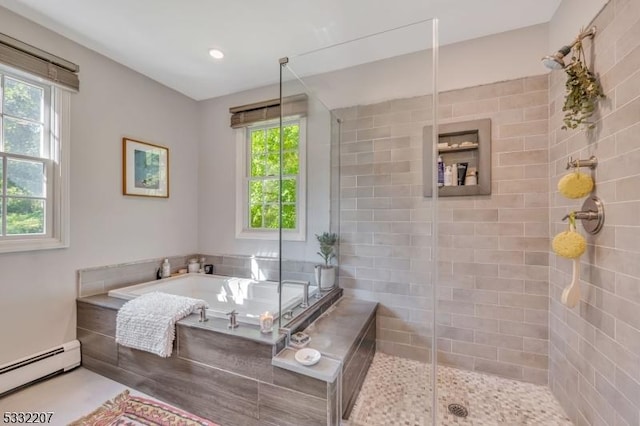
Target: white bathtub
{"type": "Point", "coordinates": [248, 297]}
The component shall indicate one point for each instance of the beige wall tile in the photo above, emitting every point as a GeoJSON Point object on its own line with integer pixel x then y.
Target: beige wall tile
{"type": "Point", "coordinates": [498, 368]}
{"type": "Point", "coordinates": [539, 127]}
{"type": "Point", "coordinates": [374, 109]}
{"type": "Point", "coordinates": [522, 358]}
{"type": "Point", "coordinates": [485, 106]}
{"type": "Point", "coordinates": [525, 100]}
{"type": "Point", "coordinates": [475, 350]}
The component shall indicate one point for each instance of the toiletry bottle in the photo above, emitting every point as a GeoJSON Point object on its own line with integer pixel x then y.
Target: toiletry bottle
{"type": "Point", "coordinates": [462, 172]}
{"type": "Point", "coordinates": [447, 176]}
{"type": "Point", "coordinates": [440, 171]}
{"type": "Point", "coordinates": [193, 266]}
{"type": "Point", "coordinates": [166, 269]}
{"type": "Point", "coordinates": [454, 174]}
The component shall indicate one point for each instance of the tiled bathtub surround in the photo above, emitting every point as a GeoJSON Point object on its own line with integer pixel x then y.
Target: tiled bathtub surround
{"type": "Point", "coordinates": [225, 376]}
{"type": "Point", "coordinates": [595, 347]}
{"type": "Point", "coordinates": [101, 279]}
{"type": "Point", "coordinates": [493, 250]}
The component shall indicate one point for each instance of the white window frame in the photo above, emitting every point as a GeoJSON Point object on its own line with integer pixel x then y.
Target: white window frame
{"type": "Point", "coordinates": [242, 185]}
{"type": "Point", "coordinates": [56, 144]}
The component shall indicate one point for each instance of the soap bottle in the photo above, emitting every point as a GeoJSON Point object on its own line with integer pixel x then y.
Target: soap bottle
{"type": "Point", "coordinates": [447, 176]}
{"type": "Point", "coordinates": [193, 266]}
{"type": "Point", "coordinates": [454, 174]}
{"type": "Point", "coordinates": [166, 269]}
{"type": "Point", "coordinates": [440, 171]}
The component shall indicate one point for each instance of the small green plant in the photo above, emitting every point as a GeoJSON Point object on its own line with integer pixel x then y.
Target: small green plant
{"type": "Point", "coordinates": [583, 92]}
{"type": "Point", "coordinates": [327, 242]}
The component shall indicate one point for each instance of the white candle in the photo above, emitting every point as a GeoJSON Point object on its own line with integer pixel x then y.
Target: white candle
{"type": "Point", "coordinates": [266, 322]}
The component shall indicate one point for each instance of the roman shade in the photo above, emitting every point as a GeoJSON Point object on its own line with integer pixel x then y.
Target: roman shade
{"type": "Point", "coordinates": [25, 57]}
{"type": "Point", "coordinates": [246, 115]}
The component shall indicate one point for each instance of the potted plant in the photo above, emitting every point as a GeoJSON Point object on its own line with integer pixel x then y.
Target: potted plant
{"type": "Point", "coordinates": [583, 91]}
{"type": "Point", "coordinates": [326, 274]}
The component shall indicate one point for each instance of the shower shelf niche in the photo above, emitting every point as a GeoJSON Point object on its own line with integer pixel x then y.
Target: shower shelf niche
{"type": "Point", "coordinates": [476, 135]}
{"type": "Point", "coordinates": [458, 148]}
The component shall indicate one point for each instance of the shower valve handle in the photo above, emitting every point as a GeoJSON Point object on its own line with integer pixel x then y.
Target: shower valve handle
{"type": "Point", "coordinates": [584, 215]}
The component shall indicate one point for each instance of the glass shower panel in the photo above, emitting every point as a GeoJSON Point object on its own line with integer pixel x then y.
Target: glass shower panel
{"type": "Point", "coordinates": [306, 202]}
{"type": "Point", "coordinates": [368, 105]}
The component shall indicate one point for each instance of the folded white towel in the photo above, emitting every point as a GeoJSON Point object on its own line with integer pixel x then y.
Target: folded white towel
{"type": "Point", "coordinates": [148, 321]}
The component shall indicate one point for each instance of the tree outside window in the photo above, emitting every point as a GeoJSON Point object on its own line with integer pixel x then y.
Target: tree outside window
{"type": "Point", "coordinates": [24, 155]}
{"type": "Point", "coordinates": [264, 175]}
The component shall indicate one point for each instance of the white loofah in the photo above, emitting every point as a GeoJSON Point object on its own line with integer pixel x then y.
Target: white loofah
{"type": "Point", "coordinates": [148, 321]}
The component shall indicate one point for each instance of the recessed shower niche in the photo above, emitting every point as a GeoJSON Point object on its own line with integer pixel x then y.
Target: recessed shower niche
{"type": "Point", "coordinates": [465, 149]}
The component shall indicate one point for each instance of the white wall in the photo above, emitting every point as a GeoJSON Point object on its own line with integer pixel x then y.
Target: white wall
{"type": "Point", "coordinates": [570, 17]}
{"type": "Point", "coordinates": [498, 57]}
{"type": "Point", "coordinates": [38, 289]}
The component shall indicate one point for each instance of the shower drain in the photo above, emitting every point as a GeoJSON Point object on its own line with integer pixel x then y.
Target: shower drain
{"type": "Point", "coordinates": [458, 410]}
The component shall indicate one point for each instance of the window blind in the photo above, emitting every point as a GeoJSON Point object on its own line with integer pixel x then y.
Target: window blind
{"type": "Point", "coordinates": [25, 57]}
{"type": "Point", "coordinates": [246, 115]}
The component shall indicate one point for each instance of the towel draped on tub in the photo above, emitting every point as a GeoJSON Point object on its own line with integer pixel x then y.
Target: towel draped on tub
{"type": "Point", "coordinates": [148, 321]}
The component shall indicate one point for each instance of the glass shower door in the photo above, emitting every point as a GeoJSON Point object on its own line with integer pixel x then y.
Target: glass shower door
{"type": "Point", "coordinates": [367, 105]}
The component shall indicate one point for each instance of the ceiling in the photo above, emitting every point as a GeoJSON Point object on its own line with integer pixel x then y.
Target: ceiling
{"type": "Point", "coordinates": [168, 40]}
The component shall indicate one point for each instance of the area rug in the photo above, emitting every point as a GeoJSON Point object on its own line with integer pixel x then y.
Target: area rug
{"type": "Point", "coordinates": [128, 410]}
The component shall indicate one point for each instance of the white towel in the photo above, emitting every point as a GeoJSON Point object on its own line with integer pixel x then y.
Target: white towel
{"type": "Point", "coordinates": [148, 321]}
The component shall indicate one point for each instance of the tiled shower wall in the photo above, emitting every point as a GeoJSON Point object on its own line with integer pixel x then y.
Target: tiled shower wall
{"type": "Point", "coordinates": [493, 298]}
{"type": "Point", "coordinates": [493, 250]}
{"type": "Point", "coordinates": [595, 347]}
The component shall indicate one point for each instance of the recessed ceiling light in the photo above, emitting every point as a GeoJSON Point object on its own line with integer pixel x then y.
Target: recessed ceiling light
{"type": "Point", "coordinates": [216, 53]}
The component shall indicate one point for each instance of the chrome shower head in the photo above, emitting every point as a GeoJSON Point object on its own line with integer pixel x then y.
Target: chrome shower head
{"type": "Point", "coordinates": [556, 61]}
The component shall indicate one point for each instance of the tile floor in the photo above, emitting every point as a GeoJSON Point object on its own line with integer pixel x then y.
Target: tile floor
{"type": "Point", "coordinates": [397, 391]}
{"type": "Point", "coordinates": [69, 396]}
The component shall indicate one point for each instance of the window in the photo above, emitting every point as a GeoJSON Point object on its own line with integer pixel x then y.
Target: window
{"type": "Point", "coordinates": [259, 180]}
{"type": "Point", "coordinates": [33, 174]}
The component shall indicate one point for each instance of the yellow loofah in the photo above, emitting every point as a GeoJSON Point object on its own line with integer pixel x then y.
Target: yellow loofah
{"type": "Point", "coordinates": [569, 244]}
{"type": "Point", "coordinates": [575, 185]}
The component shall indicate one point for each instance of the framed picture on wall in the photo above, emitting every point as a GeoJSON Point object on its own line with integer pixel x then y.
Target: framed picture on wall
{"type": "Point", "coordinates": [145, 169]}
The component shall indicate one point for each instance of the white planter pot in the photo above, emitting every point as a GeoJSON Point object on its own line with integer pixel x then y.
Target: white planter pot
{"type": "Point", "coordinates": [325, 277]}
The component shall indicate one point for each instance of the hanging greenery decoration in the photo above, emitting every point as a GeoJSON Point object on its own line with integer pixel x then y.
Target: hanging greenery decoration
{"type": "Point", "coordinates": [583, 92]}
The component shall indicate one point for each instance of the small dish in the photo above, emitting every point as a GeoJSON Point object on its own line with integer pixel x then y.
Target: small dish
{"type": "Point", "coordinates": [308, 356]}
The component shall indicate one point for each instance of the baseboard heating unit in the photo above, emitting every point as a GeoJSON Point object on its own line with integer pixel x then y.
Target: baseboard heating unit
{"type": "Point", "coordinates": [34, 368]}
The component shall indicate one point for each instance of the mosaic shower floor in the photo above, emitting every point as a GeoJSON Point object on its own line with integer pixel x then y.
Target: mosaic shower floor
{"type": "Point", "coordinates": [397, 391]}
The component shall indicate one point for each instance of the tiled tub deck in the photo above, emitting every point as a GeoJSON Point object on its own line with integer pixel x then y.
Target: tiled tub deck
{"type": "Point", "coordinates": [228, 376]}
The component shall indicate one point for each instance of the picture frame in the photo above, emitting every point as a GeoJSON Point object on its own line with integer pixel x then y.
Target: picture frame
{"type": "Point", "coordinates": [145, 169]}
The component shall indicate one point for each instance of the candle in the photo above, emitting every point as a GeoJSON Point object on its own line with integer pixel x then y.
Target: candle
{"type": "Point", "coordinates": [266, 322]}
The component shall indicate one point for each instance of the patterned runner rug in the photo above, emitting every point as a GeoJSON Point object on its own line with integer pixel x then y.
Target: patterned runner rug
{"type": "Point", "coordinates": [128, 410]}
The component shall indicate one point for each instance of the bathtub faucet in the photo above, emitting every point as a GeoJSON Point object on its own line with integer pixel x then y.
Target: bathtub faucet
{"type": "Point", "coordinates": [305, 290]}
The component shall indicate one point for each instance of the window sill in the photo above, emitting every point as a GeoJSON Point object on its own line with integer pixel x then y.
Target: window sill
{"type": "Point", "coordinates": [270, 235]}
{"type": "Point", "coordinates": [16, 246]}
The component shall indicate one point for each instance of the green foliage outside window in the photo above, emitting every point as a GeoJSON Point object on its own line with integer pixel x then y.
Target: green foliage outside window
{"type": "Point", "coordinates": [22, 133]}
{"type": "Point", "coordinates": [264, 185]}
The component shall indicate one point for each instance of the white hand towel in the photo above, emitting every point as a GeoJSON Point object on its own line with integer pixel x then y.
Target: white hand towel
{"type": "Point", "coordinates": [148, 321]}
